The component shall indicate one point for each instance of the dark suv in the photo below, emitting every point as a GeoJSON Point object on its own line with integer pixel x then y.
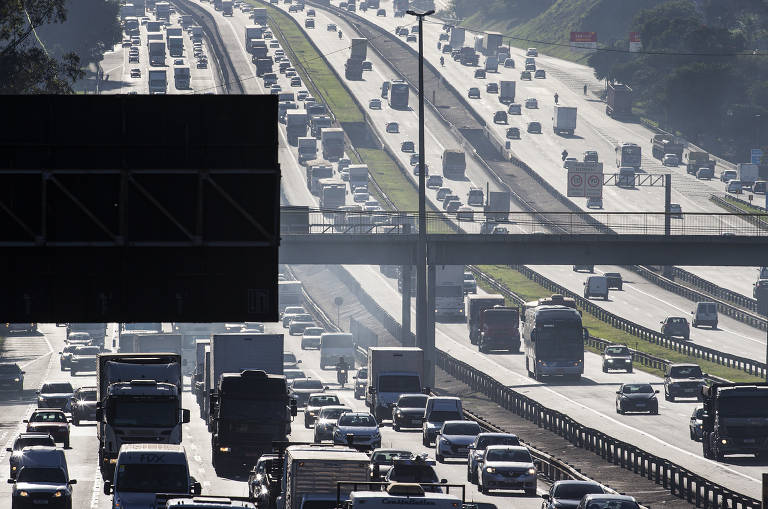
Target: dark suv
{"type": "Point", "coordinates": [615, 280]}
{"type": "Point", "coordinates": [676, 326]}
{"type": "Point", "coordinates": [683, 381]}
{"type": "Point", "coordinates": [617, 357]}
{"type": "Point", "coordinates": [12, 379]}
{"type": "Point", "coordinates": [84, 405]}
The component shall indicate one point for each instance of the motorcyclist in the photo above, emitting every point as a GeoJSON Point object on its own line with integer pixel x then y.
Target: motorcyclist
{"type": "Point", "coordinates": [556, 97]}
{"type": "Point", "coordinates": [585, 89]}
{"type": "Point", "coordinates": [564, 154]}
{"type": "Point", "coordinates": [339, 34]}
{"type": "Point", "coordinates": [342, 369]}
{"type": "Point", "coordinates": [442, 61]}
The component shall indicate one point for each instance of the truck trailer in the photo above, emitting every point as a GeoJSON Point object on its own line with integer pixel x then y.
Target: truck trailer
{"type": "Point", "coordinates": [392, 371]}
{"type": "Point", "coordinates": [618, 100]}
{"type": "Point", "coordinates": [564, 119]}
{"type": "Point", "coordinates": [475, 305]}
{"type": "Point", "coordinates": [449, 291]}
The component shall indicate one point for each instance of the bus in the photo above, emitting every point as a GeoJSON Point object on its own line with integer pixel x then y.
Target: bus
{"type": "Point", "coordinates": [553, 338]}
{"type": "Point", "coordinates": [628, 154]}
{"type": "Point", "coordinates": [289, 293]}
{"type": "Point", "coordinates": [334, 346]}
{"type": "Point", "coordinates": [398, 95]}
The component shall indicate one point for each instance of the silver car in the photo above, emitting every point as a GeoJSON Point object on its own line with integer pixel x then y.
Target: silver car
{"type": "Point", "coordinates": [454, 439]}
{"type": "Point", "coordinates": [478, 447]}
{"type": "Point", "coordinates": [326, 420]}
{"type": "Point", "coordinates": [357, 429]}
{"type": "Point", "coordinates": [507, 467]}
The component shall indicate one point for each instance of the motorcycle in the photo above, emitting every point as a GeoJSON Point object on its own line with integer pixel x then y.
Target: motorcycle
{"type": "Point", "coordinates": [339, 34]}
{"type": "Point", "coordinates": [341, 377]}
{"type": "Point", "coordinates": [442, 61]}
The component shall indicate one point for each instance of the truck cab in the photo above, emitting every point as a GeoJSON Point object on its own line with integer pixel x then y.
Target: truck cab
{"type": "Point", "coordinates": [392, 372]}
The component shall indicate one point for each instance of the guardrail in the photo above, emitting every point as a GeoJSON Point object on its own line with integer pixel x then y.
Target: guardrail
{"type": "Point", "coordinates": [757, 220]}
{"type": "Point", "coordinates": [681, 482]}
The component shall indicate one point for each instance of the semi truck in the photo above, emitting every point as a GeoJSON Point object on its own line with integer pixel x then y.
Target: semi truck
{"type": "Point", "coordinates": [289, 293]}
{"type": "Point", "coordinates": [454, 163]}
{"type": "Point", "coordinates": [358, 176]}
{"type": "Point", "coordinates": [735, 419]}
{"type": "Point", "coordinates": [158, 82]}
{"type": "Point", "coordinates": [249, 406]}
{"type": "Point", "coordinates": [696, 160]}
{"type": "Point", "coordinates": [662, 144]}
{"type": "Point", "coordinates": [493, 40]}
{"type": "Point", "coordinates": [163, 11]}
{"type": "Point", "coordinates": [181, 77]}
{"type": "Point", "coordinates": [253, 32]}
{"type": "Point", "coordinates": [475, 305]}
{"type": "Point", "coordinates": [618, 100]}
{"type": "Point", "coordinates": [258, 49]}
{"type": "Point", "coordinates": [295, 126]}
{"type": "Point", "coordinates": [353, 68]}
{"type": "Point", "coordinates": [392, 371]}
{"type": "Point", "coordinates": [333, 193]}
{"type": "Point", "coordinates": [496, 207]}
{"type": "Point", "coordinates": [196, 32]}
{"type": "Point", "coordinates": [176, 46]}
{"type": "Point", "coordinates": [307, 149]}
{"type": "Point", "coordinates": [264, 65]}
{"type": "Point", "coordinates": [138, 400]}
{"type": "Point", "coordinates": [507, 91]}
{"type": "Point", "coordinates": [456, 39]}
{"type": "Point", "coordinates": [332, 139]}
{"type": "Point", "coordinates": [748, 173]}
{"type": "Point", "coordinates": [259, 15]}
{"type": "Point", "coordinates": [174, 31]}
{"type": "Point", "coordinates": [564, 119]}
{"type": "Point", "coordinates": [157, 53]}
{"type": "Point", "coordinates": [449, 290]}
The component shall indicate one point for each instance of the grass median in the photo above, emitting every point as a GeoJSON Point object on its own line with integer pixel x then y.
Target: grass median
{"type": "Point", "coordinates": [529, 290]}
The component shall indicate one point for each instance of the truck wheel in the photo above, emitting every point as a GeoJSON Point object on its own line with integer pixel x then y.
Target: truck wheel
{"type": "Point", "coordinates": [75, 420]}
{"type": "Point", "coordinates": [629, 370]}
{"type": "Point", "coordinates": [73, 371]}
{"type": "Point", "coordinates": [605, 370]}
{"type": "Point", "coordinates": [395, 426]}
{"type": "Point", "coordinates": [424, 441]}
{"type": "Point", "coordinates": [440, 458]}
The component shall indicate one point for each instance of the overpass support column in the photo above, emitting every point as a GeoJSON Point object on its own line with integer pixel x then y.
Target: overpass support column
{"type": "Point", "coordinates": [428, 342]}
{"type": "Point", "coordinates": [405, 288]}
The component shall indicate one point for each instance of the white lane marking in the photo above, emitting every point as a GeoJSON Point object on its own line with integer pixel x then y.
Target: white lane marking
{"type": "Point", "coordinates": [96, 491]}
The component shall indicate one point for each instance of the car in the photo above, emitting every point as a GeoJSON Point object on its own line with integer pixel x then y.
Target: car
{"type": "Point", "coordinates": [25, 440]}
{"type": "Point", "coordinates": [594, 202]}
{"type": "Point", "coordinates": [534, 127]}
{"type": "Point", "coordinates": [289, 73]}
{"type": "Point", "coordinates": [178, 61]}
{"type": "Point", "coordinates": [675, 326]}
{"type": "Point", "coordinates": [449, 198]}
{"type": "Point", "coordinates": [590, 156]}
{"type": "Point", "coordinates": [298, 325]}
{"type": "Point", "coordinates": [564, 494]}
{"type": "Point", "coordinates": [264, 480]}
{"type": "Point", "coordinates": [382, 461]}
{"type": "Point", "coordinates": [51, 421]}
{"type": "Point", "coordinates": [473, 93]}
{"type": "Point", "coordinates": [480, 73]}
{"type": "Point", "coordinates": [302, 388]}
{"type": "Point", "coordinates": [500, 117]}
{"type": "Point", "coordinates": [133, 59]}
{"type": "Point", "coordinates": [492, 88]}
{"type": "Point", "coordinates": [531, 103]}
{"type": "Point", "coordinates": [292, 374]}
{"type": "Point", "coordinates": [126, 43]}
{"type": "Point", "coordinates": [12, 379]}
{"type": "Point", "coordinates": [540, 74]}
{"type": "Point", "coordinates": [392, 127]}
{"type": "Point", "coordinates": [530, 67]}
{"type": "Point", "coordinates": [670, 160]}
{"type": "Point", "coordinates": [275, 89]}
{"type": "Point", "coordinates": [84, 405]}
{"type": "Point", "coordinates": [381, 12]}
{"type": "Point", "coordinates": [588, 268]}
{"type": "Point", "coordinates": [434, 181]}
{"type": "Point", "coordinates": [607, 500]}
{"type": "Point", "coordinates": [84, 359]}
{"type": "Point", "coordinates": [293, 8]}
{"type": "Point", "coordinates": [447, 49]}
{"type": "Point", "coordinates": [274, 44]}
{"type": "Point", "coordinates": [617, 357]}
{"type": "Point", "coordinates": [316, 401]}
{"type": "Point", "coordinates": [509, 63]}
{"type": "Point", "coordinates": [568, 161]}
{"type": "Point", "coordinates": [55, 395]}
{"type": "Point", "coordinates": [408, 411]}
{"type": "Point", "coordinates": [360, 382]}
{"type": "Point", "coordinates": [301, 95]}
{"type": "Point", "coordinates": [515, 109]}
{"type": "Point", "coordinates": [637, 398]}
{"type": "Point", "coordinates": [42, 479]}
{"type": "Point", "coordinates": [295, 81]}
{"type": "Point", "coordinates": [705, 314]}
{"type": "Point", "coordinates": [360, 195]}
{"type": "Point", "coordinates": [289, 312]}
{"type": "Point", "coordinates": [411, 38]}
{"type": "Point", "coordinates": [65, 356]}
{"type": "Point", "coordinates": [453, 206]}
{"type": "Point", "coordinates": [615, 280]}
{"type": "Point", "coordinates": [136, 73]}
{"type": "Point", "coordinates": [683, 381]}
{"type": "Point", "coordinates": [705, 173]}
{"type": "Point", "coordinates": [728, 175]}
{"type": "Point", "coordinates": [506, 467]}
{"type": "Point", "coordinates": [454, 439]}
{"type": "Point", "coordinates": [525, 75]}
{"type": "Point", "coordinates": [374, 104]}
{"type": "Point", "coordinates": [513, 133]}
{"type": "Point", "coordinates": [696, 423]}
{"type": "Point", "coordinates": [675, 211]}
{"type": "Point", "coordinates": [734, 187]}
{"type": "Point", "coordinates": [455, 54]}
{"type": "Point", "coordinates": [290, 361]}
{"type": "Point", "coordinates": [367, 65]}
{"type": "Point", "coordinates": [325, 419]}
{"type": "Point", "coordinates": [478, 446]}
{"type": "Point", "coordinates": [442, 193]}
{"type": "Point", "coordinates": [358, 430]}
{"type": "Point", "coordinates": [331, 27]}
{"type": "Point", "coordinates": [407, 146]}
{"type": "Point", "coordinates": [758, 287]}
{"type": "Point", "coordinates": [310, 12]}
{"type": "Point", "coordinates": [532, 52]}
{"type": "Point", "coordinates": [310, 338]}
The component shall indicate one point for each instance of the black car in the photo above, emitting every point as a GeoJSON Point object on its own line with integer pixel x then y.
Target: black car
{"type": "Point", "coordinates": [683, 381]}
{"type": "Point", "coordinates": [614, 280]}
{"type": "Point", "coordinates": [407, 146]}
{"type": "Point", "coordinates": [264, 480]}
{"type": "Point", "coordinates": [636, 398]}
{"type": "Point", "coordinates": [676, 326]}
{"type": "Point", "coordinates": [84, 405]}
{"type": "Point", "coordinates": [55, 395]}
{"type": "Point", "coordinates": [513, 133]}
{"type": "Point", "coordinates": [695, 425]}
{"type": "Point", "coordinates": [382, 460]}
{"type": "Point", "coordinates": [408, 412]}
{"type": "Point", "coordinates": [361, 382]}
{"type": "Point", "coordinates": [12, 379]}
{"type": "Point", "coordinates": [588, 268]}
{"type": "Point", "coordinates": [525, 75]}
{"type": "Point", "coordinates": [567, 494]}
{"type": "Point", "coordinates": [617, 357]}
{"type": "Point", "coordinates": [534, 127]}
{"type": "Point", "coordinates": [22, 441]}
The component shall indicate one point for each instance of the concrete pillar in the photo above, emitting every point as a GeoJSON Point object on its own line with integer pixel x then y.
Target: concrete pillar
{"type": "Point", "coordinates": [428, 343]}
{"type": "Point", "coordinates": [405, 277]}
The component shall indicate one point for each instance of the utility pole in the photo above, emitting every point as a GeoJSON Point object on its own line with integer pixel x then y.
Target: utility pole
{"type": "Point", "coordinates": [421, 251]}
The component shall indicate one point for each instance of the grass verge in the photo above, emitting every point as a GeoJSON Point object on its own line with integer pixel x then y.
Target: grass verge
{"type": "Point", "coordinates": [749, 209]}
{"type": "Point", "coordinates": [530, 290]}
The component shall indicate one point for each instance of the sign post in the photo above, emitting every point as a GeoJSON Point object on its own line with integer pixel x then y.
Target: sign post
{"type": "Point", "coordinates": [755, 155]}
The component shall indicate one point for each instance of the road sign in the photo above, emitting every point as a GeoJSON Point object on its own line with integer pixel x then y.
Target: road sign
{"type": "Point", "coordinates": [755, 155]}
{"type": "Point", "coordinates": [585, 179]}
{"type": "Point", "coordinates": [576, 182]}
{"type": "Point", "coordinates": [594, 185]}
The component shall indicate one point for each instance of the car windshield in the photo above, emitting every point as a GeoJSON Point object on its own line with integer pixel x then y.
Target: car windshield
{"type": "Point", "coordinates": [289, 357]}
{"type": "Point", "coordinates": [307, 384]}
{"type": "Point", "coordinates": [413, 473]}
{"type": "Point", "coordinates": [484, 442]}
{"type": "Point", "coordinates": [333, 413]}
{"type": "Point", "coordinates": [461, 428]}
{"type": "Point", "coordinates": [88, 350]}
{"type": "Point", "coordinates": [313, 331]}
{"type": "Point", "coordinates": [86, 395]}
{"type": "Point", "coordinates": [743, 407]}
{"type": "Point", "coordinates": [516, 455]}
{"type": "Point", "coordinates": [443, 415]}
{"type": "Point", "coordinates": [617, 350]}
{"type": "Point", "coordinates": [56, 388]}
{"type": "Point", "coordinates": [612, 504]}
{"type": "Point", "coordinates": [48, 417]}
{"type": "Point", "coordinates": [387, 457]}
{"type": "Point", "coordinates": [637, 389]}
{"type": "Point", "coordinates": [412, 402]}
{"type": "Point", "coordinates": [9, 368]}
{"type": "Point", "coordinates": [399, 383]}
{"type": "Point", "coordinates": [573, 491]}
{"type": "Point", "coordinates": [290, 374]}
{"type": "Point", "coordinates": [21, 443]}
{"type": "Point", "coordinates": [676, 321]}
{"type": "Point", "coordinates": [330, 399]}
{"type": "Point", "coordinates": [42, 475]}
{"type": "Point", "coordinates": [149, 478]}
{"type": "Point", "coordinates": [685, 372]}
{"type": "Point", "coordinates": [357, 420]}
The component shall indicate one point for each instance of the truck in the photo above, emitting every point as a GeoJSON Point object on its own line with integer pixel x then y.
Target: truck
{"type": "Point", "coordinates": [332, 139]}
{"type": "Point", "coordinates": [226, 8]}
{"type": "Point", "coordinates": [138, 400]}
{"type": "Point", "coordinates": [176, 46]}
{"type": "Point", "coordinates": [449, 290]}
{"type": "Point", "coordinates": [157, 343]}
{"type": "Point", "coordinates": [318, 170]}
{"type": "Point", "coordinates": [190, 333]}
{"type": "Point", "coordinates": [158, 82]}
{"type": "Point", "coordinates": [475, 306]}
{"type": "Point", "coordinates": [174, 31]}
{"type": "Point", "coordinates": [319, 122]}
{"type": "Point", "coordinates": [196, 32]}
{"type": "Point", "coordinates": [311, 474]}
{"type": "Point", "coordinates": [479, 42]}
{"type": "Point", "coordinates": [263, 65]}
{"type": "Point", "coordinates": [181, 76]}
{"type": "Point", "coordinates": [353, 69]}
{"type": "Point", "coordinates": [468, 56]}
{"type": "Point", "coordinates": [399, 94]}
{"type": "Point", "coordinates": [735, 419]}
{"type": "Point", "coordinates": [454, 163]}
{"type": "Point", "coordinates": [748, 173]}
{"type": "Point", "coordinates": [253, 32]}
{"type": "Point", "coordinates": [307, 149]}
{"type": "Point", "coordinates": [564, 119]}
{"type": "Point", "coordinates": [289, 293]}
{"type": "Point", "coordinates": [358, 176]}
{"type": "Point", "coordinates": [198, 386]}
{"type": "Point", "coordinates": [157, 53]}
{"type": "Point", "coordinates": [662, 144]}
{"type": "Point", "coordinates": [493, 40]}
{"type": "Point", "coordinates": [507, 91]}
{"type": "Point", "coordinates": [457, 37]}
{"type": "Point", "coordinates": [333, 193]}
{"type": "Point", "coordinates": [249, 404]}
{"type": "Point", "coordinates": [185, 20]}
{"type": "Point", "coordinates": [392, 371]}
{"type": "Point", "coordinates": [618, 101]}
{"type": "Point", "coordinates": [499, 329]}
{"type": "Point", "coordinates": [491, 64]}
{"type": "Point", "coordinates": [695, 160]}
{"type": "Point", "coordinates": [259, 15]}
{"type": "Point", "coordinates": [98, 331]}
{"type": "Point", "coordinates": [163, 11]}
{"type": "Point", "coordinates": [295, 126]}
{"type": "Point", "coordinates": [496, 207]}
{"type": "Point", "coordinates": [402, 495]}
{"type": "Point", "coordinates": [257, 48]}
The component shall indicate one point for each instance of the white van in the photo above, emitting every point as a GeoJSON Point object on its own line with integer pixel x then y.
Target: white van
{"type": "Point", "coordinates": [335, 345]}
{"type": "Point", "coordinates": [705, 314]}
{"type": "Point", "coordinates": [145, 469]}
{"type": "Point", "coordinates": [438, 410]}
{"type": "Point", "coordinates": [596, 286]}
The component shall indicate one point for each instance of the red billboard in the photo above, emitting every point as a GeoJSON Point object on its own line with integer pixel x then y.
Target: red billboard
{"type": "Point", "coordinates": [583, 41]}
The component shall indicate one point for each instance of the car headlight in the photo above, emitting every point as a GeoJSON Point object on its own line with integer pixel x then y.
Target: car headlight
{"type": "Point", "coordinates": [399, 413]}
{"type": "Point", "coordinates": [490, 470]}
{"type": "Point", "coordinates": [17, 379]}
{"type": "Point", "coordinates": [609, 360]}
{"type": "Point", "coordinates": [724, 441]}
{"type": "Point", "coordinates": [225, 449]}
{"type": "Point", "coordinates": [13, 468]}
{"type": "Point", "coordinates": [531, 471]}
{"type": "Point", "coordinates": [58, 494]}
{"type": "Point", "coordinates": [23, 493]}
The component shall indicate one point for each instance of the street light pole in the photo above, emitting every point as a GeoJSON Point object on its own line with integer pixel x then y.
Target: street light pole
{"type": "Point", "coordinates": [421, 251]}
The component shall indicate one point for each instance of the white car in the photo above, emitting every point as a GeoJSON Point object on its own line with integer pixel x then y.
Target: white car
{"type": "Point", "coordinates": [531, 103]}
{"type": "Point", "coordinates": [359, 428]}
{"type": "Point", "coordinates": [311, 337]}
{"type": "Point", "coordinates": [326, 420]}
{"type": "Point", "coordinates": [506, 467]}
{"type": "Point", "coordinates": [454, 439]}
{"type": "Point", "coordinates": [375, 104]}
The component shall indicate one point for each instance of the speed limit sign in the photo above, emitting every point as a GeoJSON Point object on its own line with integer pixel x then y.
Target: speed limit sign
{"type": "Point", "coordinates": [575, 184]}
{"type": "Point", "coordinates": [594, 187]}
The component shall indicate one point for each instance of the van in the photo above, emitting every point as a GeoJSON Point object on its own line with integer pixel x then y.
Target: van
{"type": "Point", "coordinates": [43, 456]}
{"type": "Point", "coordinates": [626, 177]}
{"type": "Point", "coordinates": [596, 286]}
{"type": "Point", "coordinates": [705, 314]}
{"type": "Point", "coordinates": [142, 470]}
{"type": "Point", "coordinates": [759, 186]}
{"type": "Point", "coordinates": [438, 410]}
{"type": "Point", "coordinates": [734, 186]}
{"type": "Point", "coordinates": [335, 345]}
